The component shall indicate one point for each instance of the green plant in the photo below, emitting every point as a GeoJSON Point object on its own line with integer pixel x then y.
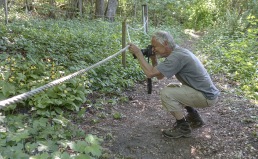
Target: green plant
{"type": "Point", "coordinates": [35, 53]}
{"type": "Point", "coordinates": [235, 56]}
{"type": "Point", "coordinates": [25, 136]}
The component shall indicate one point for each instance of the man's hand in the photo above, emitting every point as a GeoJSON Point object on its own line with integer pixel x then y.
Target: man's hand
{"type": "Point", "coordinates": [134, 49]}
{"type": "Point", "coordinates": [154, 60]}
{"type": "Point", "coordinates": [149, 70]}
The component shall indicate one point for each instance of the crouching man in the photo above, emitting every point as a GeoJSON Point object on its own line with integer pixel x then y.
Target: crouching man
{"type": "Point", "coordinates": [195, 91]}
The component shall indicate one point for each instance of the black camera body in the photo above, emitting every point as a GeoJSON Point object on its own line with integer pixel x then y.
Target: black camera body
{"type": "Point", "coordinates": [148, 51]}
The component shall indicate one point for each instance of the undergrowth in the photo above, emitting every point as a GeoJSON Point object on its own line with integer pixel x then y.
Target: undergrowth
{"type": "Point", "coordinates": [234, 55]}
{"type": "Point", "coordinates": [34, 53]}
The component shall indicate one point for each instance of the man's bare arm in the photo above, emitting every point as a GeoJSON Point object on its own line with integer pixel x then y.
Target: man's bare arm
{"type": "Point", "coordinates": [149, 70]}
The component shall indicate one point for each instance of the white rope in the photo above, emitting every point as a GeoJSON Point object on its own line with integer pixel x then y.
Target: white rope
{"type": "Point", "coordinates": [127, 30]}
{"type": "Point", "coordinates": [135, 29]}
{"type": "Point", "coordinates": [26, 95]}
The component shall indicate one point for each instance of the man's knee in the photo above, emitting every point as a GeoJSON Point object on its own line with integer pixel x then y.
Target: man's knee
{"type": "Point", "coordinates": [168, 100]}
{"type": "Point", "coordinates": [165, 93]}
{"type": "Point", "coordinates": [170, 90]}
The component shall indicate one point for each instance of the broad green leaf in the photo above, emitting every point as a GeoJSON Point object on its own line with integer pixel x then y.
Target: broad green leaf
{"type": "Point", "coordinates": [21, 134]}
{"type": "Point", "coordinates": [2, 119]}
{"type": "Point", "coordinates": [95, 150]}
{"type": "Point", "coordinates": [83, 156]}
{"type": "Point", "coordinates": [61, 155]}
{"type": "Point", "coordinates": [2, 96]}
{"type": "Point", "coordinates": [61, 120]}
{"type": "Point", "coordinates": [40, 156]}
{"type": "Point", "coordinates": [20, 77]}
{"type": "Point", "coordinates": [8, 89]}
{"type": "Point", "coordinates": [48, 146]}
{"type": "Point", "coordinates": [3, 142]}
{"type": "Point", "coordinates": [92, 139]}
{"type": "Point", "coordinates": [58, 110]}
{"type": "Point", "coordinates": [80, 146]}
{"type": "Point", "coordinates": [57, 101]}
{"type": "Point", "coordinates": [31, 146]}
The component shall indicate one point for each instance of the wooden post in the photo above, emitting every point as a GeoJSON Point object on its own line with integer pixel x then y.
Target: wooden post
{"type": "Point", "coordinates": [145, 17]}
{"type": "Point", "coordinates": [6, 12]}
{"type": "Point", "coordinates": [124, 42]}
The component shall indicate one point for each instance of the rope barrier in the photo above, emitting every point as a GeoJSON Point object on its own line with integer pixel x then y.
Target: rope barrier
{"type": "Point", "coordinates": [129, 38]}
{"type": "Point", "coordinates": [26, 95]}
{"type": "Point", "coordinates": [135, 29]}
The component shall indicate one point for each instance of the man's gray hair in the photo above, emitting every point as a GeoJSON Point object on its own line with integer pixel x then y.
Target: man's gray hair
{"type": "Point", "coordinates": [162, 36]}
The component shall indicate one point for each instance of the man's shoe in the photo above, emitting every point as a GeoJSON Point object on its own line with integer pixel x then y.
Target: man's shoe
{"type": "Point", "coordinates": [179, 130]}
{"type": "Point", "coordinates": [194, 119]}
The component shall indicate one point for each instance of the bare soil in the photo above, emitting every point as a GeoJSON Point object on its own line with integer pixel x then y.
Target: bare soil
{"type": "Point", "coordinates": [230, 130]}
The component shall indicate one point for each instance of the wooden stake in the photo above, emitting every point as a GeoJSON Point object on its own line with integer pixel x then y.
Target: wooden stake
{"type": "Point", "coordinates": [124, 42]}
{"type": "Point", "coordinates": [145, 17]}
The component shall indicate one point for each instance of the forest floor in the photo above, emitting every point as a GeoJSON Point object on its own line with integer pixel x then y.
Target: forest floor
{"type": "Point", "coordinates": [230, 130]}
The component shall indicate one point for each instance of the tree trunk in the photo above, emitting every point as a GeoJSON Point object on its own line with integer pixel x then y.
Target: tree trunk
{"type": "Point", "coordinates": [80, 5]}
{"type": "Point", "coordinates": [1, 4]}
{"type": "Point", "coordinates": [52, 14]}
{"type": "Point", "coordinates": [6, 12]}
{"type": "Point", "coordinates": [28, 4]}
{"type": "Point", "coordinates": [91, 9]}
{"type": "Point", "coordinates": [99, 12]}
{"type": "Point", "coordinates": [111, 10]}
{"type": "Point", "coordinates": [72, 9]}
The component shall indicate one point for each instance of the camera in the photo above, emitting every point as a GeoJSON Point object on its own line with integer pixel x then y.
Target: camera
{"type": "Point", "coordinates": [148, 51]}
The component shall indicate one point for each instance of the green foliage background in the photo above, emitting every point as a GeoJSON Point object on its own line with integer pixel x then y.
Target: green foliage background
{"type": "Point", "coordinates": [34, 53]}
{"type": "Point", "coordinates": [234, 55]}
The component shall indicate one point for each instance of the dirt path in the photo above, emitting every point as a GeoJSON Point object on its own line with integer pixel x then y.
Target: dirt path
{"type": "Point", "coordinates": [228, 133]}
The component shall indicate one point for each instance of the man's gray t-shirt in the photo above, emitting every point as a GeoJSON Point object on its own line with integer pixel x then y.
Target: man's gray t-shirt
{"type": "Point", "coordinates": [189, 70]}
